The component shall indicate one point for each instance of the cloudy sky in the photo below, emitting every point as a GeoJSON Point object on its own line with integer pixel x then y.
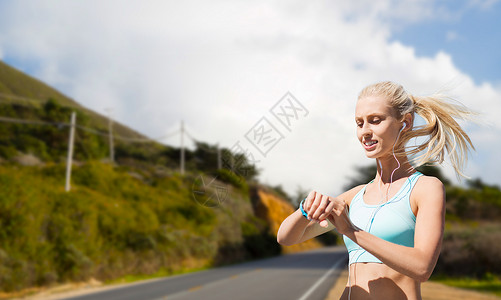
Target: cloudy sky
{"type": "Point", "coordinates": [221, 66]}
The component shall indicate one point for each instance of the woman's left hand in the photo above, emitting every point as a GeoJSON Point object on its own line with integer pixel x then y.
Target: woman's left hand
{"type": "Point", "coordinates": [339, 217]}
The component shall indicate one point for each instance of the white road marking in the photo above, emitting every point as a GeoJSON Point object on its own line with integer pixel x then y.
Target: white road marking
{"type": "Point", "coordinates": [318, 282]}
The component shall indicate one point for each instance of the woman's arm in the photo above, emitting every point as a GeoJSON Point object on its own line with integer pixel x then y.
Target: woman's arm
{"type": "Point", "coordinates": [296, 229]}
{"type": "Point", "coordinates": [419, 261]}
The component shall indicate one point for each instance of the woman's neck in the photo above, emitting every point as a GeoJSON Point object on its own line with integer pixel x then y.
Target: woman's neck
{"type": "Point", "coordinates": [390, 170]}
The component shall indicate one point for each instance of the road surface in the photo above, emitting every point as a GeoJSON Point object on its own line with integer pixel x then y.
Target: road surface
{"type": "Point", "coordinates": [307, 275]}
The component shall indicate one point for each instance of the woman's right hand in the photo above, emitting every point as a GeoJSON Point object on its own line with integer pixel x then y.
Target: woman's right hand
{"type": "Point", "coordinates": [319, 207]}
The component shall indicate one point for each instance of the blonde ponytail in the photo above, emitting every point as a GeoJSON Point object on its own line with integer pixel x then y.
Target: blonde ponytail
{"type": "Point", "coordinates": [443, 132]}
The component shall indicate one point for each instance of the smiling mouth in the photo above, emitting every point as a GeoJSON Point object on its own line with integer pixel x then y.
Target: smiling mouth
{"type": "Point", "coordinates": [369, 144]}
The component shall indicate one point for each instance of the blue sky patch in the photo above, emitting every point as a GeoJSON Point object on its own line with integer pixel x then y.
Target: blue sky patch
{"type": "Point", "coordinates": [472, 36]}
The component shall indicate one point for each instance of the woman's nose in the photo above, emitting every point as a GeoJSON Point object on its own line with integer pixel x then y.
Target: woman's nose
{"type": "Point", "coordinates": [366, 130]}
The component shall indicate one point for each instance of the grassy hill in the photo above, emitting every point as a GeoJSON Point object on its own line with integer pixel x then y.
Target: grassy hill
{"type": "Point", "coordinates": [119, 221]}
{"type": "Point", "coordinates": [20, 89]}
{"type": "Point", "coordinates": [17, 86]}
{"type": "Point", "coordinates": [34, 121]}
{"type": "Point", "coordinates": [113, 223]}
{"type": "Point", "coordinates": [133, 217]}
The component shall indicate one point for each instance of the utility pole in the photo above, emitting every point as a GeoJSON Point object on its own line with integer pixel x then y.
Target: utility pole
{"type": "Point", "coordinates": [219, 162]}
{"type": "Point", "coordinates": [110, 135]}
{"type": "Point", "coordinates": [70, 152]}
{"type": "Point", "coordinates": [182, 148]}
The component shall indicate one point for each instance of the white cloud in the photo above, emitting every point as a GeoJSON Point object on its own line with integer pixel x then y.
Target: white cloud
{"type": "Point", "coordinates": [483, 4]}
{"type": "Point", "coordinates": [221, 65]}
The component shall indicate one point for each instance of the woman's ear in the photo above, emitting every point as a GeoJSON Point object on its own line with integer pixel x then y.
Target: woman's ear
{"type": "Point", "coordinates": [407, 121]}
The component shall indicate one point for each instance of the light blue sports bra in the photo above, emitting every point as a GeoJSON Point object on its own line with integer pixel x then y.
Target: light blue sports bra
{"type": "Point", "coordinates": [392, 221]}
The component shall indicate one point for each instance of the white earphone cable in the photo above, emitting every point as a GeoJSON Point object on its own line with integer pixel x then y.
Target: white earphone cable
{"type": "Point", "coordinates": [375, 211]}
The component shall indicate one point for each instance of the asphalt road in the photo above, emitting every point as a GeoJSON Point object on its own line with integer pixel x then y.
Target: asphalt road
{"type": "Point", "coordinates": [307, 275]}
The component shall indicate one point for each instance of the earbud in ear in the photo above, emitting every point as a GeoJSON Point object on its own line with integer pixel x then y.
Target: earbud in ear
{"type": "Point", "coordinates": [403, 126]}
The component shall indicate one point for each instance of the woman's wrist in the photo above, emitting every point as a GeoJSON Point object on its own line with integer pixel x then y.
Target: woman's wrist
{"type": "Point", "coordinates": [351, 231]}
{"type": "Point", "coordinates": [301, 208]}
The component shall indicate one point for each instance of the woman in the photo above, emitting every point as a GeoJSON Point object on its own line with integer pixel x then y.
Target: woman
{"type": "Point", "coordinates": [392, 226]}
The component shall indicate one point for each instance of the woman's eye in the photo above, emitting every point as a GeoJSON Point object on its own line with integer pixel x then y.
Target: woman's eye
{"type": "Point", "coordinates": [376, 121]}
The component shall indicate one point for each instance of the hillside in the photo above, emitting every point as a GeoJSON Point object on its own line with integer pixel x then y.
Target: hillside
{"type": "Point", "coordinates": [34, 122]}
{"type": "Point", "coordinates": [137, 216]}
{"type": "Point", "coordinates": [121, 221]}
{"type": "Point", "coordinates": [18, 88]}
{"type": "Point", "coordinates": [114, 222]}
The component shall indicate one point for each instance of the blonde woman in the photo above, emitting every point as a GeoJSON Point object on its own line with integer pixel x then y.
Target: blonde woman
{"type": "Point", "coordinates": [393, 225]}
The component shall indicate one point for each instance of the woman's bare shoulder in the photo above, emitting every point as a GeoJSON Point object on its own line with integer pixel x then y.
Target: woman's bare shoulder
{"type": "Point", "coordinates": [428, 188]}
{"type": "Point", "coordinates": [428, 183]}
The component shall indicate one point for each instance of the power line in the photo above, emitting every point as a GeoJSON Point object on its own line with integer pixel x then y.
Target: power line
{"type": "Point", "coordinates": [91, 130]}
{"type": "Point", "coordinates": [189, 135]}
{"type": "Point", "coordinates": [34, 122]}
{"type": "Point", "coordinates": [87, 129]}
{"type": "Point", "coordinates": [20, 98]}
{"type": "Point", "coordinates": [110, 134]}
{"type": "Point", "coordinates": [73, 126]}
{"type": "Point", "coordinates": [168, 135]}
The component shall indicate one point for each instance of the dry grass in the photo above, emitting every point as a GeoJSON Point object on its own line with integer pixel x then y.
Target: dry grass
{"type": "Point", "coordinates": [438, 291]}
{"type": "Point", "coordinates": [429, 290]}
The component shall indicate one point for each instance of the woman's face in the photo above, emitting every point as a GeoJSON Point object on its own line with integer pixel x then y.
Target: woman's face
{"type": "Point", "coordinates": [377, 127]}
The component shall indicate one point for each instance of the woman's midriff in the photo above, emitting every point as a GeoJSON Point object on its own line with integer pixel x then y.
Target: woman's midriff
{"type": "Point", "coordinates": [378, 281]}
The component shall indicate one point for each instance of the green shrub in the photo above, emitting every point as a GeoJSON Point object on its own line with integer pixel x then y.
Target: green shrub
{"type": "Point", "coordinates": [228, 176]}
{"type": "Point", "coordinates": [113, 224]}
{"type": "Point", "coordinates": [470, 250]}
{"type": "Point", "coordinates": [7, 151]}
{"type": "Point", "coordinates": [258, 240]}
